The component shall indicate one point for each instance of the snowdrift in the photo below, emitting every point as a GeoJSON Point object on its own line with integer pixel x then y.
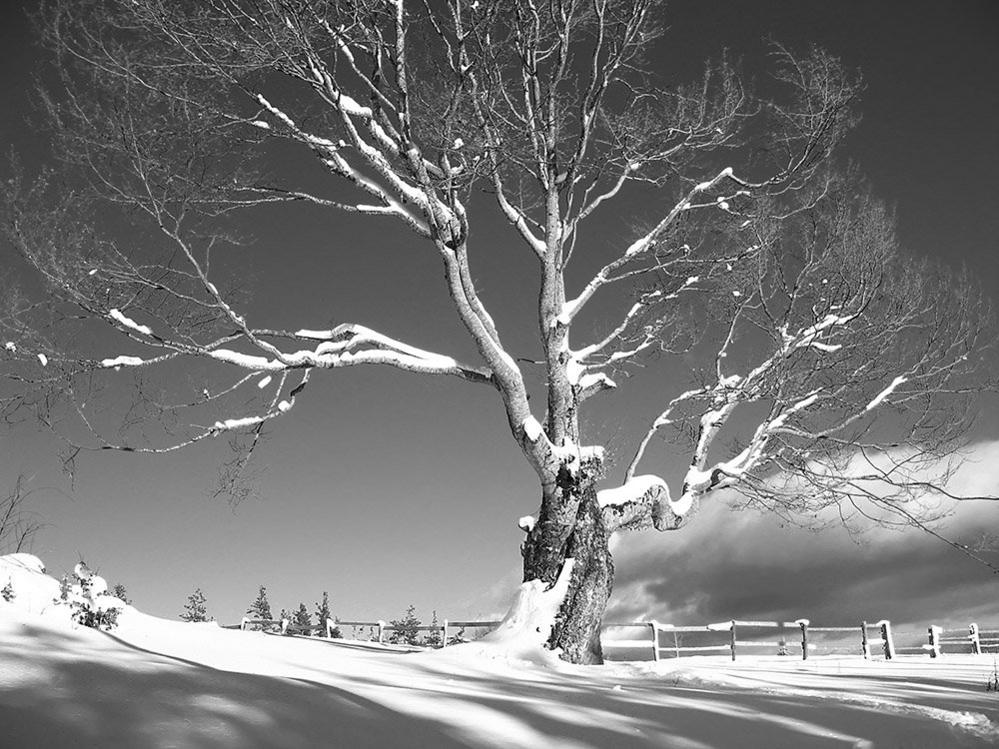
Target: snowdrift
{"type": "Point", "coordinates": [152, 683]}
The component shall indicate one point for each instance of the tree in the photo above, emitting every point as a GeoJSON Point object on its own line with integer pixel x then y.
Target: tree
{"type": "Point", "coordinates": [323, 614]}
{"type": "Point", "coordinates": [261, 607]}
{"type": "Point", "coordinates": [807, 361]}
{"type": "Point", "coordinates": [433, 638]}
{"type": "Point", "coordinates": [406, 631]}
{"type": "Point", "coordinates": [301, 617]}
{"type": "Point", "coordinates": [196, 609]}
{"type": "Point", "coordinates": [18, 525]}
{"type": "Point", "coordinates": [119, 592]}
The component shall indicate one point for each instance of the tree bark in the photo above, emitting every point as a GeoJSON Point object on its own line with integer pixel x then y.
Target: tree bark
{"type": "Point", "coordinates": [584, 538]}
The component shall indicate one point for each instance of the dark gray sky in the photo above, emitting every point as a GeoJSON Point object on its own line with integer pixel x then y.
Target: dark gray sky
{"type": "Point", "coordinates": [387, 488]}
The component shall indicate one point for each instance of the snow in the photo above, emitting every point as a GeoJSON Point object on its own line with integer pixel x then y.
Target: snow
{"type": "Point", "coordinates": [10, 346]}
{"type": "Point", "coordinates": [247, 361]}
{"type": "Point", "coordinates": [122, 361]}
{"type": "Point", "coordinates": [318, 335]}
{"type": "Point", "coordinates": [154, 683]}
{"type": "Point", "coordinates": [630, 491]}
{"type": "Point", "coordinates": [532, 429]}
{"type": "Point", "coordinates": [246, 421]}
{"type": "Point", "coordinates": [43, 359]}
{"type": "Point", "coordinates": [880, 397]}
{"type": "Point", "coordinates": [264, 382]}
{"type": "Point", "coordinates": [284, 406]}
{"type": "Point", "coordinates": [527, 625]}
{"type": "Point", "coordinates": [128, 322]}
{"type": "Point", "coordinates": [598, 378]}
{"type": "Point", "coordinates": [526, 523]}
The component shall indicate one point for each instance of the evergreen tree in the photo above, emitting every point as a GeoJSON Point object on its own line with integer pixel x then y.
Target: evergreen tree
{"type": "Point", "coordinates": [323, 613]}
{"type": "Point", "coordinates": [301, 617]}
{"type": "Point", "coordinates": [195, 609]}
{"type": "Point", "coordinates": [119, 592]}
{"type": "Point", "coordinates": [434, 638]}
{"type": "Point", "coordinates": [261, 607]}
{"type": "Point", "coordinates": [405, 630]}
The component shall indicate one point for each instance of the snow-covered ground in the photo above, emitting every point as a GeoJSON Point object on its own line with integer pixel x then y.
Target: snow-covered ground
{"type": "Point", "coordinates": [153, 683]}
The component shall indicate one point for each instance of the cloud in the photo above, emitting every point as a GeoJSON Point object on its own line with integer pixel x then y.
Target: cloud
{"type": "Point", "coordinates": [745, 564]}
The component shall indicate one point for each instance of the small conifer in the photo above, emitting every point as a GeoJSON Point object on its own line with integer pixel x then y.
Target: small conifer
{"type": "Point", "coordinates": [195, 610]}
{"type": "Point", "coordinates": [301, 617]}
{"type": "Point", "coordinates": [405, 630]}
{"type": "Point", "coordinates": [261, 607]}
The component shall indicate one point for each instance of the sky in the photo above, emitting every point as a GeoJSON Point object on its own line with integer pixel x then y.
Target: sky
{"type": "Point", "coordinates": [390, 489]}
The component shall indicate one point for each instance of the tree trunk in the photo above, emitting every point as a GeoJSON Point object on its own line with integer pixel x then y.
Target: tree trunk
{"type": "Point", "coordinates": [583, 538]}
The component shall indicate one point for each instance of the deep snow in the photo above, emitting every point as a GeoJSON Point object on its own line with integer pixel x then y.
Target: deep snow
{"type": "Point", "coordinates": [153, 683]}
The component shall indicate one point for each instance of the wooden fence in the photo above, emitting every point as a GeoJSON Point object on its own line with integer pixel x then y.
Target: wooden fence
{"type": "Point", "coordinates": [382, 627]}
{"type": "Point", "coordinates": [284, 625]}
{"type": "Point", "coordinates": [798, 635]}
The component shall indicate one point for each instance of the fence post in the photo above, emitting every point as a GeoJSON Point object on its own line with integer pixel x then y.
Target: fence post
{"type": "Point", "coordinates": [803, 623]}
{"type": "Point", "coordinates": [935, 634]}
{"type": "Point", "coordinates": [284, 626]}
{"type": "Point", "coordinates": [242, 624]}
{"type": "Point", "coordinates": [654, 626]}
{"type": "Point", "coordinates": [329, 628]}
{"type": "Point", "coordinates": [865, 645]}
{"type": "Point", "coordinates": [733, 639]}
{"type": "Point", "coordinates": [886, 638]}
{"type": "Point", "coordinates": [444, 635]}
{"type": "Point", "coordinates": [381, 632]}
{"type": "Point", "coordinates": [976, 644]}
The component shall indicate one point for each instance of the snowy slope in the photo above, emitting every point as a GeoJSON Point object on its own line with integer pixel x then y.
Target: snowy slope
{"type": "Point", "coordinates": [155, 684]}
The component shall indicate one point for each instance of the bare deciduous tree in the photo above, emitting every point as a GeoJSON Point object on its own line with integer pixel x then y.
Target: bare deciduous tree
{"type": "Point", "coordinates": [18, 525]}
{"type": "Point", "coordinates": [823, 348]}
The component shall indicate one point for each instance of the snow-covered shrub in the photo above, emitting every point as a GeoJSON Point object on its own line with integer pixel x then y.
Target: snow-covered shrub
{"type": "Point", "coordinates": [86, 595]}
{"type": "Point", "coordinates": [7, 592]}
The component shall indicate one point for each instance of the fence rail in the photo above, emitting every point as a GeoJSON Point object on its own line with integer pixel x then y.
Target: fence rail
{"type": "Point", "coordinates": [937, 638]}
{"type": "Point", "coordinates": [975, 639]}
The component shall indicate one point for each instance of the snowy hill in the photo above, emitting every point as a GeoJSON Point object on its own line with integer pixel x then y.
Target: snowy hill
{"type": "Point", "coordinates": [153, 683]}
